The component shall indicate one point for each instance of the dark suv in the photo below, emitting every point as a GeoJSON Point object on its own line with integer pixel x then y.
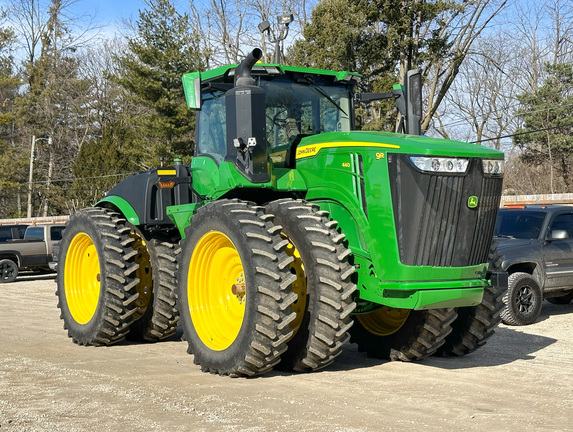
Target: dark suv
{"type": "Point", "coordinates": [537, 245]}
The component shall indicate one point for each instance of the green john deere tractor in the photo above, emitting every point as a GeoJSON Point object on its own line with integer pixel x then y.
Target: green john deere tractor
{"type": "Point", "coordinates": [291, 233]}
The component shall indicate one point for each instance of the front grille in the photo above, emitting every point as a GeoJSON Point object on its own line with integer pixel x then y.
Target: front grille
{"type": "Point", "coordinates": [435, 226]}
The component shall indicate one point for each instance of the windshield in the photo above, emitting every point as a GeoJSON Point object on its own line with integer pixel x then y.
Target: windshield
{"type": "Point", "coordinates": [304, 109]}
{"type": "Point", "coordinates": [519, 224]}
{"type": "Point", "coordinates": [293, 109]}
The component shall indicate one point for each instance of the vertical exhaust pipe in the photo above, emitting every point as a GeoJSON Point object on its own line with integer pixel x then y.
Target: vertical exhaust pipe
{"type": "Point", "coordinates": [243, 75]}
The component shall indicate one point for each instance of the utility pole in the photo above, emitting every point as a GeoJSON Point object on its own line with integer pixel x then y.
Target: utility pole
{"type": "Point", "coordinates": [30, 177]}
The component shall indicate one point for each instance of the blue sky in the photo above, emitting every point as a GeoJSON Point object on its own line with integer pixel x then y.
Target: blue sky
{"type": "Point", "coordinates": [111, 12]}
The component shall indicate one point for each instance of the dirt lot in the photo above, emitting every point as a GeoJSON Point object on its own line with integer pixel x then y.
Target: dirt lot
{"type": "Point", "coordinates": [522, 380]}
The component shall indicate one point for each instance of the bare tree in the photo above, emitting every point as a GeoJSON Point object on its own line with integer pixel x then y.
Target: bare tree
{"type": "Point", "coordinates": [482, 99]}
{"type": "Point", "coordinates": [466, 26]}
{"type": "Point", "coordinates": [29, 19]}
{"type": "Point", "coordinates": [229, 28]}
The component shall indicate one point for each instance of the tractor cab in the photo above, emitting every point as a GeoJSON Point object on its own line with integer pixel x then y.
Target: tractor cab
{"type": "Point", "coordinates": [292, 103]}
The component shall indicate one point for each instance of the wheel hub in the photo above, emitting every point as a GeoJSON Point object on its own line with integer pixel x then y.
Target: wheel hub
{"type": "Point", "coordinates": [82, 278]}
{"type": "Point", "coordinates": [217, 290]}
{"type": "Point", "coordinates": [524, 300]}
{"type": "Point", "coordinates": [384, 321]}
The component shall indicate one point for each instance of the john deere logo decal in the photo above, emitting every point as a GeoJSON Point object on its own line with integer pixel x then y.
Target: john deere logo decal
{"type": "Point", "coordinates": [473, 201]}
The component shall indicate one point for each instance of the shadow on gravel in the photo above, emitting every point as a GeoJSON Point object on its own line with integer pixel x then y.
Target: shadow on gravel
{"type": "Point", "coordinates": [549, 309]}
{"type": "Point", "coordinates": [507, 345]}
{"type": "Point", "coordinates": [30, 277]}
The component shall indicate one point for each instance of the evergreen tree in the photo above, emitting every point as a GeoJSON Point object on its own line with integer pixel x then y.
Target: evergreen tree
{"type": "Point", "coordinates": [547, 134]}
{"type": "Point", "coordinates": [158, 54]}
{"type": "Point", "coordinates": [12, 158]}
{"type": "Point", "coordinates": [383, 39]}
{"type": "Point", "coordinates": [380, 39]}
{"type": "Point", "coordinates": [101, 164]}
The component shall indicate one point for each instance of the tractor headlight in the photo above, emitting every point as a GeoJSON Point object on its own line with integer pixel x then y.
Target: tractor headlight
{"type": "Point", "coordinates": [492, 166]}
{"type": "Point", "coordinates": [440, 164]}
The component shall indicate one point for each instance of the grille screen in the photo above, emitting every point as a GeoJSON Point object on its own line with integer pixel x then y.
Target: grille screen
{"type": "Point", "coordinates": [435, 226]}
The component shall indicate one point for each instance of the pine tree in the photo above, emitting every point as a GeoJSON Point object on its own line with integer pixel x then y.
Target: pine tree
{"type": "Point", "coordinates": [12, 158]}
{"type": "Point", "coordinates": [383, 39]}
{"type": "Point", "coordinates": [158, 54]}
{"type": "Point", "coordinates": [547, 134]}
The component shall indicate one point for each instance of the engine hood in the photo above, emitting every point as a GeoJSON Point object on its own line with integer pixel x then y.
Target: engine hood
{"type": "Point", "coordinates": [509, 243]}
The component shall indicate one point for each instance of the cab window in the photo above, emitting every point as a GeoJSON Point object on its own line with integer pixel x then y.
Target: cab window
{"type": "Point", "coordinates": [212, 133]}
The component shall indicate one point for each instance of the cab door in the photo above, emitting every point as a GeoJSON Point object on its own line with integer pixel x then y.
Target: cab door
{"type": "Point", "coordinates": [558, 254]}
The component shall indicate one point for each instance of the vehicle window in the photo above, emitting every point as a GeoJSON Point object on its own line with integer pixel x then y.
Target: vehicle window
{"type": "Point", "coordinates": [5, 234]}
{"type": "Point", "coordinates": [21, 231]}
{"type": "Point", "coordinates": [56, 233]}
{"type": "Point", "coordinates": [294, 108]}
{"type": "Point", "coordinates": [212, 134]}
{"type": "Point", "coordinates": [35, 232]}
{"type": "Point", "coordinates": [519, 224]}
{"type": "Point", "coordinates": [563, 222]}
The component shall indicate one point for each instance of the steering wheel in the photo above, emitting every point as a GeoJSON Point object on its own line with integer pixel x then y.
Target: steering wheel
{"type": "Point", "coordinates": [277, 120]}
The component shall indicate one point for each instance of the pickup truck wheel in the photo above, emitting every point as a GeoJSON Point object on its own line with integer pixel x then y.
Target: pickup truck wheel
{"type": "Point", "coordinates": [8, 271]}
{"type": "Point", "coordinates": [97, 283]}
{"type": "Point", "coordinates": [561, 300]}
{"type": "Point", "coordinates": [522, 300]}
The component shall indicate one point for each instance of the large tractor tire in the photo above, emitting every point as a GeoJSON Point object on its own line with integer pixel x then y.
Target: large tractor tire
{"type": "Point", "coordinates": [234, 289]}
{"type": "Point", "coordinates": [8, 271]}
{"type": "Point", "coordinates": [323, 286]}
{"type": "Point", "coordinates": [475, 325]}
{"type": "Point", "coordinates": [97, 277]}
{"type": "Point", "coordinates": [522, 301]}
{"type": "Point", "coordinates": [401, 334]}
{"type": "Point", "coordinates": [157, 317]}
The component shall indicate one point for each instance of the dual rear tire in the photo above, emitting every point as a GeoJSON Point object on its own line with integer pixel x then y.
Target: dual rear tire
{"type": "Point", "coordinates": [108, 288]}
{"type": "Point", "coordinates": [234, 289]}
{"type": "Point", "coordinates": [253, 293]}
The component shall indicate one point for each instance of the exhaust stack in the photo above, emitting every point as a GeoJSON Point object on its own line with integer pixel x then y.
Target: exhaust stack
{"type": "Point", "coordinates": [243, 75]}
{"type": "Point", "coordinates": [245, 103]}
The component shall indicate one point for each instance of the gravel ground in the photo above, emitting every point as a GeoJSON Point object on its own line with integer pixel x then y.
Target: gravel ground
{"type": "Point", "coordinates": [522, 380]}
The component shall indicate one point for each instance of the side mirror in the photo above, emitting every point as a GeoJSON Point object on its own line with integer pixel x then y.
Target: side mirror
{"type": "Point", "coordinates": [192, 88]}
{"type": "Point", "coordinates": [558, 235]}
{"type": "Point", "coordinates": [414, 103]}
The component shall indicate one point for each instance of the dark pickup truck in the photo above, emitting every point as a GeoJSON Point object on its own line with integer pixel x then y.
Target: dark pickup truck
{"type": "Point", "coordinates": [33, 252]}
{"type": "Point", "coordinates": [537, 245]}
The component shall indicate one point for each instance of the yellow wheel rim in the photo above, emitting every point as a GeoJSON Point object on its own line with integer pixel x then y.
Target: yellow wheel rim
{"type": "Point", "coordinates": [384, 321]}
{"type": "Point", "coordinates": [298, 286]}
{"type": "Point", "coordinates": [143, 273]}
{"type": "Point", "coordinates": [216, 290]}
{"type": "Point", "coordinates": [82, 278]}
